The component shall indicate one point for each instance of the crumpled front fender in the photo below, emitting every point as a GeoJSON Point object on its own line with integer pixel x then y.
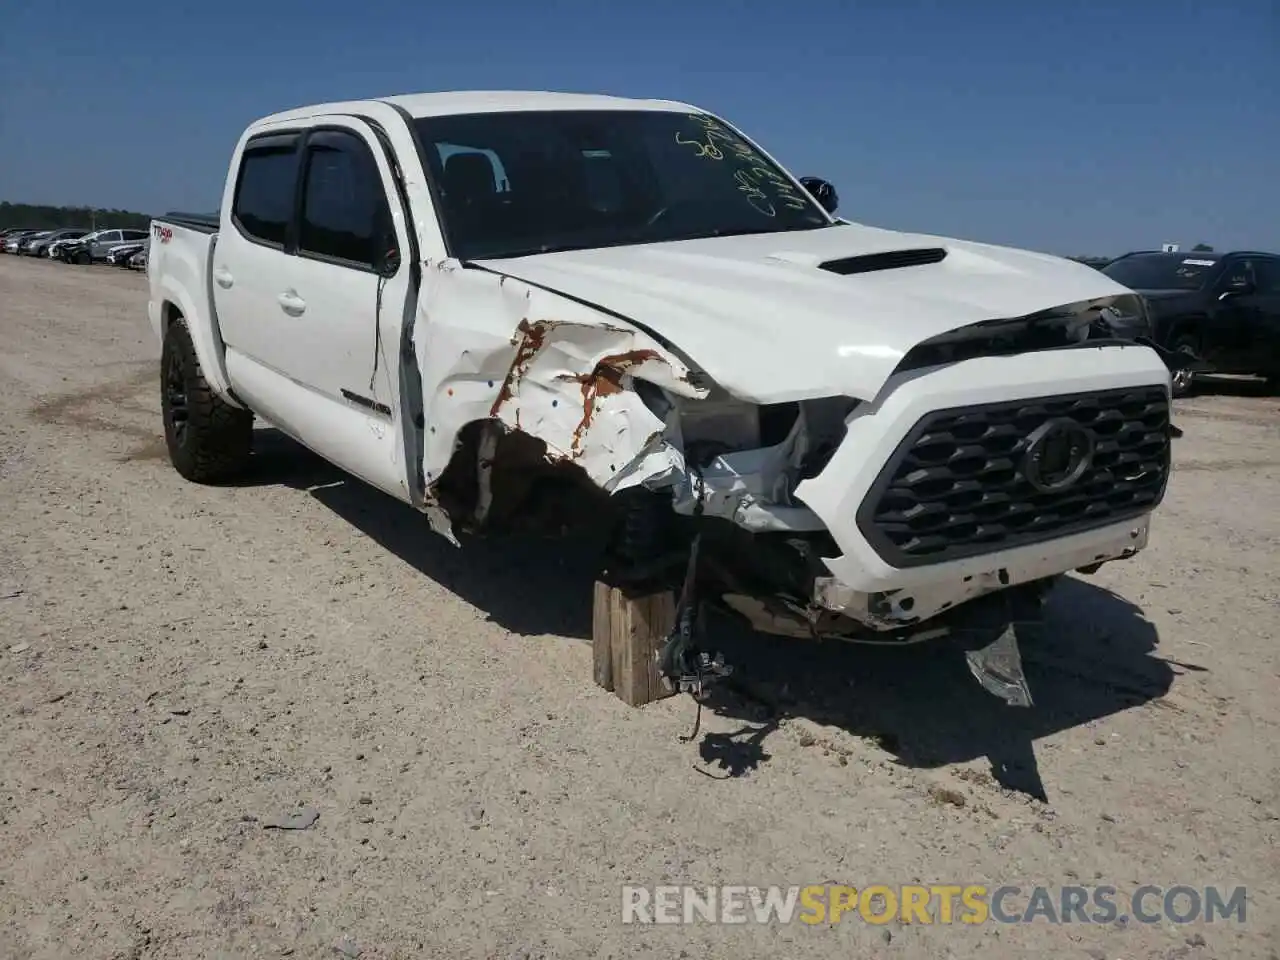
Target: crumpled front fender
{"type": "Point", "coordinates": [491, 348]}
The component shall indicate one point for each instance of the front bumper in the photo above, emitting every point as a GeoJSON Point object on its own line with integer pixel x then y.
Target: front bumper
{"type": "Point", "coordinates": [862, 585]}
{"type": "Point", "coordinates": [896, 608]}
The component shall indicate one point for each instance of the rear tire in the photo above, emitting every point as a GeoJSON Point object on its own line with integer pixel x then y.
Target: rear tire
{"type": "Point", "coordinates": [209, 440]}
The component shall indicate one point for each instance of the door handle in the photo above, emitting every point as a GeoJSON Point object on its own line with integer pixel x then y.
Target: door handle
{"type": "Point", "coordinates": [291, 303]}
{"type": "Point", "coordinates": [222, 278]}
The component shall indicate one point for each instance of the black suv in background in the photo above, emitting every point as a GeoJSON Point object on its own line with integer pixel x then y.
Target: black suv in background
{"type": "Point", "coordinates": [1214, 312]}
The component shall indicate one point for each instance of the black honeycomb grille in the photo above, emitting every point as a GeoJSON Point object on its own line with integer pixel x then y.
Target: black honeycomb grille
{"type": "Point", "coordinates": [955, 486]}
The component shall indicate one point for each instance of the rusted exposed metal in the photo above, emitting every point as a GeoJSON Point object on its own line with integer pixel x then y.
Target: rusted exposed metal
{"type": "Point", "coordinates": [528, 341]}
{"type": "Point", "coordinates": [605, 380]}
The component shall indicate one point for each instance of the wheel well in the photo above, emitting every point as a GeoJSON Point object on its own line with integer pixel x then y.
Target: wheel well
{"type": "Point", "coordinates": [169, 312]}
{"type": "Point", "coordinates": [1183, 330]}
{"type": "Point", "coordinates": [1182, 326]}
{"type": "Point", "coordinates": [531, 491]}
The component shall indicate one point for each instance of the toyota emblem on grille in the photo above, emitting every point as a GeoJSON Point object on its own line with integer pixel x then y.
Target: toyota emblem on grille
{"type": "Point", "coordinates": [1058, 453]}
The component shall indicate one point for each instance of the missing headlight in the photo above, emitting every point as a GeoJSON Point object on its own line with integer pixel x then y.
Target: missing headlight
{"type": "Point", "coordinates": [825, 421]}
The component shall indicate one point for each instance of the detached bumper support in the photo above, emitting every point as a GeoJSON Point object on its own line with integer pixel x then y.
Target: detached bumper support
{"type": "Point", "coordinates": [989, 634]}
{"type": "Point", "coordinates": [998, 667]}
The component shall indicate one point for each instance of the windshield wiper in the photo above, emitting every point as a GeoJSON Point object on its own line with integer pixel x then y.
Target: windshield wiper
{"type": "Point", "coordinates": [534, 251]}
{"type": "Point", "coordinates": [744, 232]}
{"type": "Point", "coordinates": [631, 241]}
{"type": "Point", "coordinates": [565, 247]}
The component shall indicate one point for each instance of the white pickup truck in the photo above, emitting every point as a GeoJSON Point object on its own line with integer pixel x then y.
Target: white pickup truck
{"type": "Point", "coordinates": [535, 310]}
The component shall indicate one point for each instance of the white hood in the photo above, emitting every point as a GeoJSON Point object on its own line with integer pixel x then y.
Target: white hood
{"type": "Point", "coordinates": [758, 314]}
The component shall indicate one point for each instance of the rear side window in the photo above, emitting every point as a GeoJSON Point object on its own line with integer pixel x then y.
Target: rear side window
{"type": "Point", "coordinates": [265, 188]}
{"type": "Point", "coordinates": [345, 215]}
{"type": "Point", "coordinates": [1267, 274]}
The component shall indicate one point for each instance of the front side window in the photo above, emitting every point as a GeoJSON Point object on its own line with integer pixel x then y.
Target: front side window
{"type": "Point", "coordinates": [263, 201]}
{"type": "Point", "coordinates": [525, 182]}
{"type": "Point", "coordinates": [1239, 276]}
{"type": "Point", "coordinates": [345, 215]}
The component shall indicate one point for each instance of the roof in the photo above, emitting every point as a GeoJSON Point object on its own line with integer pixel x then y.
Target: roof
{"type": "Point", "coordinates": [485, 101]}
{"type": "Point", "coordinates": [1175, 254]}
{"type": "Point", "coordinates": [1199, 254]}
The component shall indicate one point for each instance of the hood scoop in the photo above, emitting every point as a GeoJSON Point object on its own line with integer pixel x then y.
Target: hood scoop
{"type": "Point", "coordinates": [893, 260]}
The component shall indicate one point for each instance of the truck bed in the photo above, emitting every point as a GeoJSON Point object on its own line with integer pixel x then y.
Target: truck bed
{"type": "Point", "coordinates": [204, 222]}
{"type": "Point", "coordinates": [179, 272]}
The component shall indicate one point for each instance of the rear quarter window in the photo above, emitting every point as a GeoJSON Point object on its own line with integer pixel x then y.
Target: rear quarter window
{"type": "Point", "coordinates": [263, 202]}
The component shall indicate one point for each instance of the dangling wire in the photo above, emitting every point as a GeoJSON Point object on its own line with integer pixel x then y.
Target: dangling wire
{"type": "Point", "coordinates": [377, 329]}
{"type": "Point", "coordinates": [697, 717]}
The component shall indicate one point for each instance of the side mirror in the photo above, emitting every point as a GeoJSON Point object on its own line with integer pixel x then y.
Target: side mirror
{"type": "Point", "coordinates": [823, 191]}
{"type": "Point", "coordinates": [1237, 286]}
{"type": "Point", "coordinates": [389, 265]}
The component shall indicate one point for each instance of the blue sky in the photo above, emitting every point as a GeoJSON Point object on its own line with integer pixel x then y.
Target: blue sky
{"type": "Point", "coordinates": [1082, 127]}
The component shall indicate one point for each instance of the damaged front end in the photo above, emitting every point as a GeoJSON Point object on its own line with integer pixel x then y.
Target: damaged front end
{"type": "Point", "coordinates": [578, 421]}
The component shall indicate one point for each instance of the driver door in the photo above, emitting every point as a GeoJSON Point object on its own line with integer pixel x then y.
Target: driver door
{"type": "Point", "coordinates": [1265, 333]}
{"type": "Point", "coordinates": [1231, 337]}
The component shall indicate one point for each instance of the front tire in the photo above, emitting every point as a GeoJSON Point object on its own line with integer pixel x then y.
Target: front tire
{"type": "Point", "coordinates": [1182, 382]}
{"type": "Point", "coordinates": [83, 258]}
{"type": "Point", "coordinates": [209, 440]}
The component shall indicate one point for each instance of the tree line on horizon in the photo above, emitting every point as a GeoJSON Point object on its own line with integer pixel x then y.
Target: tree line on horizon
{"type": "Point", "coordinates": [37, 216]}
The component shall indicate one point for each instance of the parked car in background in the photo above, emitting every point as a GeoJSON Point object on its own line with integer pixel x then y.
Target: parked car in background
{"type": "Point", "coordinates": [121, 254]}
{"type": "Point", "coordinates": [25, 244]}
{"type": "Point", "coordinates": [1211, 312]}
{"type": "Point", "coordinates": [93, 247]}
{"type": "Point", "coordinates": [54, 250]}
{"type": "Point", "coordinates": [9, 233]}
{"type": "Point", "coordinates": [38, 247]}
{"type": "Point", "coordinates": [13, 242]}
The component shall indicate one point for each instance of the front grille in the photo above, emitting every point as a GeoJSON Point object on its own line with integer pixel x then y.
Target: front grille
{"type": "Point", "coordinates": [957, 487]}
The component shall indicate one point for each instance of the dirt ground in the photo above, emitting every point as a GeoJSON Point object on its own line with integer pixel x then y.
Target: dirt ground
{"type": "Point", "coordinates": [182, 664]}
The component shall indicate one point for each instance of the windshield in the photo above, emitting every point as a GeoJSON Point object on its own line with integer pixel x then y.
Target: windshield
{"type": "Point", "coordinates": [528, 182]}
{"type": "Point", "coordinates": [1162, 271]}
